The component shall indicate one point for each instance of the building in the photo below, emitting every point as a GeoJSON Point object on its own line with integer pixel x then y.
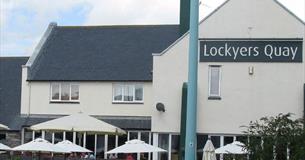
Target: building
{"type": "Point", "coordinates": [10, 96]}
{"type": "Point", "coordinates": [251, 65]}
{"type": "Point", "coordinates": [238, 80]}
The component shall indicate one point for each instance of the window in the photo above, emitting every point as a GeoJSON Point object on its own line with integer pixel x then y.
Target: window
{"type": "Point", "coordinates": [64, 92]}
{"type": "Point", "coordinates": [2, 136]}
{"type": "Point", "coordinates": [214, 82]}
{"type": "Point", "coordinates": [128, 93]}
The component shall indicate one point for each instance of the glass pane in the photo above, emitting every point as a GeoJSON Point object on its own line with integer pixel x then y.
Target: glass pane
{"type": "Point", "coordinates": [145, 138]}
{"type": "Point", "coordinates": [214, 81]}
{"type": "Point", "coordinates": [111, 142]}
{"type": "Point", "coordinates": [79, 139]}
{"type": "Point", "coordinates": [2, 136]}
{"type": "Point", "coordinates": [74, 92]}
{"type": "Point", "coordinates": [38, 134]}
{"type": "Point", "coordinates": [228, 140]}
{"type": "Point", "coordinates": [163, 143]}
{"type": "Point", "coordinates": [121, 141]}
{"type": "Point", "coordinates": [242, 139]}
{"type": "Point", "coordinates": [128, 93]}
{"type": "Point", "coordinates": [55, 91]}
{"type": "Point", "coordinates": [201, 140]}
{"type": "Point", "coordinates": [27, 135]}
{"type": "Point", "coordinates": [139, 92]}
{"type": "Point", "coordinates": [69, 136]}
{"type": "Point", "coordinates": [58, 137]}
{"type": "Point", "coordinates": [133, 135]}
{"type": "Point", "coordinates": [100, 147]}
{"type": "Point", "coordinates": [90, 141]}
{"type": "Point", "coordinates": [48, 136]}
{"type": "Point", "coordinates": [175, 147]}
{"type": "Point", "coordinates": [216, 142]}
{"type": "Point", "coordinates": [65, 92]}
{"type": "Point", "coordinates": [117, 93]}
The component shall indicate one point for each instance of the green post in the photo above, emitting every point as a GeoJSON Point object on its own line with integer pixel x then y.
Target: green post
{"type": "Point", "coordinates": [191, 118]}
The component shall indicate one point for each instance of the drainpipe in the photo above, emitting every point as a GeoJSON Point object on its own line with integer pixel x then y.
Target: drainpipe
{"type": "Point", "coordinates": [183, 122]}
{"type": "Point", "coordinates": [304, 107]}
{"type": "Point", "coordinates": [191, 118]}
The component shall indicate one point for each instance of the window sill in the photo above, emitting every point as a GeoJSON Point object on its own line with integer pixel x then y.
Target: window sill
{"type": "Point", "coordinates": [127, 102]}
{"type": "Point", "coordinates": [64, 102]}
{"type": "Point", "coordinates": [214, 98]}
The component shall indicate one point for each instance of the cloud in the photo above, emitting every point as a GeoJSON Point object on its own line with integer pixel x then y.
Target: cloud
{"type": "Point", "coordinates": [23, 22]}
{"type": "Point", "coordinates": [109, 12]}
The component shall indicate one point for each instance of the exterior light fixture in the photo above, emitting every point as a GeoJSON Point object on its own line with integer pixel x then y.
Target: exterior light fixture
{"type": "Point", "coordinates": [160, 107]}
{"type": "Point", "coordinates": [251, 70]}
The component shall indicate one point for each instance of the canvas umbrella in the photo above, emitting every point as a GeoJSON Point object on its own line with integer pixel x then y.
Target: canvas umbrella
{"type": "Point", "coordinates": [40, 146]}
{"type": "Point", "coordinates": [3, 127]}
{"type": "Point", "coordinates": [72, 147]}
{"type": "Point", "coordinates": [4, 147]}
{"type": "Point", "coordinates": [79, 122]}
{"type": "Point", "coordinates": [233, 148]}
{"type": "Point", "coordinates": [136, 146]}
{"type": "Point", "coordinates": [209, 151]}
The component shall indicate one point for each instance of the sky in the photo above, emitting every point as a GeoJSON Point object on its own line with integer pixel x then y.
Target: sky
{"type": "Point", "coordinates": [23, 22]}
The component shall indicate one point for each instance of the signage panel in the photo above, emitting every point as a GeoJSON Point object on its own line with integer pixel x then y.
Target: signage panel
{"type": "Point", "coordinates": [251, 50]}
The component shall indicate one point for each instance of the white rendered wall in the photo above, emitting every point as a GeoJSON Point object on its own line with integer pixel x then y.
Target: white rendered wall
{"type": "Point", "coordinates": [95, 99]}
{"type": "Point", "coordinates": [274, 88]}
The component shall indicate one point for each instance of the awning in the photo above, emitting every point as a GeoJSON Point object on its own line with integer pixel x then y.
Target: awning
{"type": "Point", "coordinates": [79, 123]}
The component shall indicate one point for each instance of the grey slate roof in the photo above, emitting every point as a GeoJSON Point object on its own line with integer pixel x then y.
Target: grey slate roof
{"type": "Point", "coordinates": [10, 88]}
{"type": "Point", "coordinates": [101, 53]}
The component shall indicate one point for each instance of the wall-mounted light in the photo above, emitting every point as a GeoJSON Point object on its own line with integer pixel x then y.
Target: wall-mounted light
{"type": "Point", "coordinates": [160, 107]}
{"type": "Point", "coordinates": [251, 70]}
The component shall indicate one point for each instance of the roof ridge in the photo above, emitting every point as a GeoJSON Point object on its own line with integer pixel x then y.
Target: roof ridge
{"type": "Point", "coordinates": [119, 26]}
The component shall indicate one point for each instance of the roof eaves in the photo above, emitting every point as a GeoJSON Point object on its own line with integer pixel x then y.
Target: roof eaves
{"type": "Point", "coordinates": [291, 13]}
{"type": "Point", "coordinates": [208, 16]}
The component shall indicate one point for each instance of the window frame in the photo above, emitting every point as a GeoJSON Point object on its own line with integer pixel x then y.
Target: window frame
{"type": "Point", "coordinates": [214, 96]}
{"type": "Point", "coordinates": [122, 88]}
{"type": "Point", "coordinates": [60, 89]}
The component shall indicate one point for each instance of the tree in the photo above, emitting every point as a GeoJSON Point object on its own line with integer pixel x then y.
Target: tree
{"type": "Point", "coordinates": [276, 137]}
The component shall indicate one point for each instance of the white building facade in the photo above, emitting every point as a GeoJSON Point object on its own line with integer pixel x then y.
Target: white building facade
{"type": "Point", "coordinates": [255, 69]}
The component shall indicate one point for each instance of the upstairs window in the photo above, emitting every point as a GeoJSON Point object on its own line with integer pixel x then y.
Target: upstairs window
{"type": "Point", "coordinates": [64, 92]}
{"type": "Point", "coordinates": [214, 82]}
{"type": "Point", "coordinates": [128, 93]}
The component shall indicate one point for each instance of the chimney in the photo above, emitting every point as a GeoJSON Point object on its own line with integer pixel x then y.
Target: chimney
{"type": "Point", "coordinates": [184, 16]}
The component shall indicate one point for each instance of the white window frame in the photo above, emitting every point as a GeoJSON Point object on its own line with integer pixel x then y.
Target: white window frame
{"type": "Point", "coordinates": [210, 82]}
{"type": "Point", "coordinates": [70, 89]}
{"type": "Point", "coordinates": [123, 87]}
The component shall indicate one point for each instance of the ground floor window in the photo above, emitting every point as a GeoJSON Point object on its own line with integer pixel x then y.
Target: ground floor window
{"type": "Point", "coordinates": [201, 140]}
{"type": "Point", "coordinates": [175, 144]}
{"type": "Point", "coordinates": [97, 143]}
{"type": "Point", "coordinates": [163, 141]}
{"type": "Point", "coordinates": [100, 144]}
{"type": "Point", "coordinates": [58, 137]}
{"type": "Point", "coordinates": [2, 136]}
